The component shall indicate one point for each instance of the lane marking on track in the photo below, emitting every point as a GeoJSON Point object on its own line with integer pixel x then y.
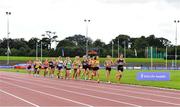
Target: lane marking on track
{"type": "Point", "coordinates": [121, 102]}
{"type": "Point", "coordinates": [19, 98]}
{"type": "Point", "coordinates": [120, 89]}
{"type": "Point", "coordinates": [160, 101]}
{"type": "Point", "coordinates": [131, 86]}
{"type": "Point", "coordinates": [2, 81]}
{"type": "Point", "coordinates": [128, 86]}
{"type": "Point", "coordinates": [126, 90]}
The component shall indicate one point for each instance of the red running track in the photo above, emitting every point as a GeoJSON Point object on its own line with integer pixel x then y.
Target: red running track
{"type": "Point", "coordinates": [25, 90]}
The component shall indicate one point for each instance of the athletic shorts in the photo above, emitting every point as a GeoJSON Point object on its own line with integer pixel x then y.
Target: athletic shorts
{"type": "Point", "coordinates": [89, 67]}
{"type": "Point", "coordinates": [68, 68]}
{"type": "Point", "coordinates": [108, 68]}
{"type": "Point", "coordinates": [35, 69]}
{"type": "Point", "coordinates": [85, 67]}
{"type": "Point", "coordinates": [45, 67]}
{"type": "Point", "coordinates": [29, 67]}
{"type": "Point", "coordinates": [95, 68]}
{"type": "Point", "coordinates": [120, 68]}
{"type": "Point", "coordinates": [52, 67]}
{"type": "Point", "coordinates": [59, 67]}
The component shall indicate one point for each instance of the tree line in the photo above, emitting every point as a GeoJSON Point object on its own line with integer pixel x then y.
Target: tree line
{"type": "Point", "coordinates": [76, 45]}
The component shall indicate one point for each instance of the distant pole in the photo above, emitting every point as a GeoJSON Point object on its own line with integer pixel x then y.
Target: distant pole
{"type": "Point", "coordinates": [41, 51]}
{"type": "Point", "coordinates": [8, 14]}
{"type": "Point", "coordinates": [112, 49]}
{"type": "Point", "coordinates": [87, 21]}
{"type": "Point", "coordinates": [151, 57]}
{"type": "Point", "coordinates": [118, 48]}
{"type": "Point", "coordinates": [124, 49]}
{"type": "Point", "coordinates": [166, 57]}
{"type": "Point", "coordinates": [175, 62]}
{"type": "Point", "coordinates": [36, 50]}
{"type": "Point", "coordinates": [156, 53]}
{"type": "Point", "coordinates": [147, 53]}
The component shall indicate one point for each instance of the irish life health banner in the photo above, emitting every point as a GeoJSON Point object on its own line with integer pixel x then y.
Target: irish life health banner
{"type": "Point", "coordinates": [153, 76]}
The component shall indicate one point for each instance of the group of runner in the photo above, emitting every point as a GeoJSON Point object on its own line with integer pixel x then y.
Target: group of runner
{"type": "Point", "coordinates": [88, 68]}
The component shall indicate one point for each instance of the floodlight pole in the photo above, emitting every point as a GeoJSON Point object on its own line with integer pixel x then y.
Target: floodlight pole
{"type": "Point", "coordinates": [8, 14]}
{"type": "Point", "coordinates": [175, 62]}
{"type": "Point", "coordinates": [41, 51]}
{"type": "Point", "coordinates": [166, 58]}
{"type": "Point", "coordinates": [124, 49]}
{"type": "Point", "coordinates": [118, 47]}
{"type": "Point", "coordinates": [36, 50]}
{"type": "Point", "coordinates": [151, 57]}
{"type": "Point", "coordinates": [87, 21]}
{"type": "Point", "coordinates": [112, 48]}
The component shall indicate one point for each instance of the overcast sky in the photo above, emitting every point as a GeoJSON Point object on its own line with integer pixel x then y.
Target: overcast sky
{"type": "Point", "coordinates": [109, 18]}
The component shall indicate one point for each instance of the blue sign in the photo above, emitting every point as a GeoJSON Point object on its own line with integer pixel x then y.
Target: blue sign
{"type": "Point", "coordinates": [6, 67]}
{"type": "Point", "coordinates": [153, 76]}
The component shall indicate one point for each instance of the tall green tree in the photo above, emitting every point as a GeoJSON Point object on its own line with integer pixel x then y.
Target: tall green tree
{"type": "Point", "coordinates": [32, 42]}
{"type": "Point", "coordinates": [50, 37]}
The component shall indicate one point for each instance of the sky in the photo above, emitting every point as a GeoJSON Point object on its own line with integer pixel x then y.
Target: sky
{"type": "Point", "coordinates": [109, 18]}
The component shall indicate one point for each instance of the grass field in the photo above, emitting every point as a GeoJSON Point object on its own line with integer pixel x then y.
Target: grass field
{"type": "Point", "coordinates": [129, 77]}
{"type": "Point", "coordinates": [129, 60]}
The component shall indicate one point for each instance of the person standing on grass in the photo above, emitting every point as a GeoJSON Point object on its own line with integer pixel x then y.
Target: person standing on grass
{"type": "Point", "coordinates": [60, 67]}
{"type": "Point", "coordinates": [52, 67]}
{"type": "Point", "coordinates": [45, 64]}
{"type": "Point", "coordinates": [29, 66]}
{"type": "Point", "coordinates": [108, 63]}
{"type": "Point", "coordinates": [85, 67]}
{"type": "Point", "coordinates": [120, 64]}
{"type": "Point", "coordinates": [68, 66]}
{"type": "Point", "coordinates": [95, 65]}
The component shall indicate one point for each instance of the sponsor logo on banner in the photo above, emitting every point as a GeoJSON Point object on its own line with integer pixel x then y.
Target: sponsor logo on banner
{"type": "Point", "coordinates": [153, 76]}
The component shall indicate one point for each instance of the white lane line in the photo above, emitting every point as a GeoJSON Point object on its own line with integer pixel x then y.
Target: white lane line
{"type": "Point", "coordinates": [151, 87]}
{"type": "Point", "coordinates": [127, 86]}
{"type": "Point", "coordinates": [121, 102]}
{"type": "Point", "coordinates": [105, 92]}
{"type": "Point", "coordinates": [19, 98]}
{"type": "Point", "coordinates": [46, 94]}
{"type": "Point", "coordinates": [120, 89]}
{"type": "Point", "coordinates": [136, 87]}
{"type": "Point", "coordinates": [133, 87]}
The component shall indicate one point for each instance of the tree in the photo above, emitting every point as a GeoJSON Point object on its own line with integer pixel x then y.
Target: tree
{"type": "Point", "coordinates": [32, 43]}
{"type": "Point", "coordinates": [50, 37]}
{"type": "Point", "coordinates": [80, 40]}
{"type": "Point", "coordinates": [123, 39]}
{"type": "Point", "coordinates": [65, 43]}
{"type": "Point", "coordinates": [140, 43]}
{"type": "Point", "coordinates": [99, 46]}
{"type": "Point", "coordinates": [163, 42]}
